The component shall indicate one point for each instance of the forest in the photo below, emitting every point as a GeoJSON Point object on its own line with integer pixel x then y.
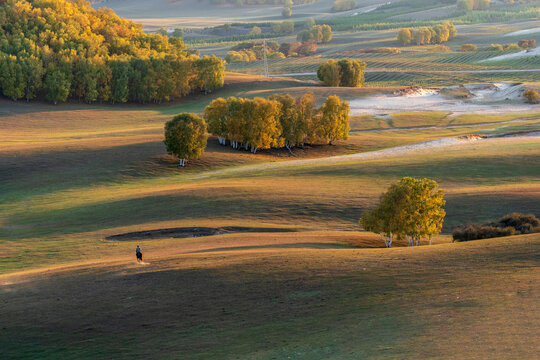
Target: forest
{"type": "Point", "coordinates": [57, 50]}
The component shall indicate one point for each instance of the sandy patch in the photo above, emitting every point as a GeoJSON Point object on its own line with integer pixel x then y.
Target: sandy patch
{"type": "Point", "coordinates": [497, 98]}
{"type": "Point", "coordinates": [524, 32]}
{"type": "Point", "coordinates": [517, 55]}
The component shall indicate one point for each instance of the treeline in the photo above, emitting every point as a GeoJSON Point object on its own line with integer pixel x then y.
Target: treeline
{"type": "Point", "coordinates": [473, 4]}
{"type": "Point", "coordinates": [57, 49]}
{"type": "Point", "coordinates": [344, 5]}
{"type": "Point", "coordinates": [511, 224]}
{"type": "Point", "coordinates": [254, 51]}
{"type": "Point", "coordinates": [345, 72]}
{"type": "Point", "coordinates": [278, 121]}
{"type": "Point", "coordinates": [260, 2]}
{"type": "Point", "coordinates": [427, 35]}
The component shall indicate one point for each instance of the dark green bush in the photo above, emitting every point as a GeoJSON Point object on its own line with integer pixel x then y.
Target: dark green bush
{"type": "Point", "coordinates": [510, 224]}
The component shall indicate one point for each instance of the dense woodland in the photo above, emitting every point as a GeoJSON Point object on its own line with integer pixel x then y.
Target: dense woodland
{"type": "Point", "coordinates": [57, 49]}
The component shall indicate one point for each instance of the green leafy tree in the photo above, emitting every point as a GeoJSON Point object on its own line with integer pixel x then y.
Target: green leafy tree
{"type": "Point", "coordinates": [330, 73]}
{"type": "Point", "coordinates": [185, 137]}
{"type": "Point", "coordinates": [352, 72]}
{"type": "Point", "coordinates": [411, 209]}
{"type": "Point", "coordinates": [333, 122]}
{"type": "Point", "coordinates": [57, 86]}
{"type": "Point", "coordinates": [345, 72]}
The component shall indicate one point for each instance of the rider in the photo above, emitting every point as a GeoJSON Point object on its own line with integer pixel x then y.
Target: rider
{"type": "Point", "coordinates": [138, 251]}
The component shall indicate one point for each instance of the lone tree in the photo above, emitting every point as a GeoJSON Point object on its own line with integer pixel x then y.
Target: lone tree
{"type": "Point", "coordinates": [185, 137]}
{"type": "Point", "coordinates": [410, 209]}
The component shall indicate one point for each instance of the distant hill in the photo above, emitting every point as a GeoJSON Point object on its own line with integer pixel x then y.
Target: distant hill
{"type": "Point", "coordinates": [59, 49]}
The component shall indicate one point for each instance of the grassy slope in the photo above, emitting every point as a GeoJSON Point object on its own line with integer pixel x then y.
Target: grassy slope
{"type": "Point", "coordinates": [72, 175]}
{"type": "Point", "coordinates": [468, 300]}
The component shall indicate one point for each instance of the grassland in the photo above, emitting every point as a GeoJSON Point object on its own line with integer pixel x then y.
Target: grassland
{"type": "Point", "coordinates": [73, 175]}
{"type": "Point", "coordinates": [296, 301]}
{"type": "Point", "coordinates": [304, 283]}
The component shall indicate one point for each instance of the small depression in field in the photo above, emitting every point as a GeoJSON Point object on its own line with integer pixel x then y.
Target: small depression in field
{"type": "Point", "coordinates": [190, 232]}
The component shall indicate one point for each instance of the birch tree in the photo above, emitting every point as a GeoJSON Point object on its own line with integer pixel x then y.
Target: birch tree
{"type": "Point", "coordinates": [293, 125]}
{"type": "Point", "coordinates": [410, 209]}
{"type": "Point", "coordinates": [333, 122]}
{"type": "Point", "coordinates": [216, 118]}
{"type": "Point", "coordinates": [185, 137]}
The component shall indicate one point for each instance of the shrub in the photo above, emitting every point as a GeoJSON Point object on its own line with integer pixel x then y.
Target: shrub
{"type": "Point", "coordinates": [255, 31]}
{"type": "Point", "coordinates": [439, 48]}
{"type": "Point", "coordinates": [532, 96]}
{"type": "Point", "coordinates": [511, 47]}
{"type": "Point", "coordinates": [527, 44]}
{"type": "Point", "coordinates": [286, 12]}
{"type": "Point", "coordinates": [510, 224]}
{"type": "Point", "coordinates": [495, 47]}
{"type": "Point", "coordinates": [479, 231]}
{"type": "Point", "coordinates": [468, 47]}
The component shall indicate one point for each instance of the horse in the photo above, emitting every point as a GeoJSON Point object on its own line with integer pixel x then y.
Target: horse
{"type": "Point", "coordinates": [139, 256]}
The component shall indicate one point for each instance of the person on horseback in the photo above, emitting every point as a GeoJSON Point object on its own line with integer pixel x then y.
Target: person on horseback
{"type": "Point", "coordinates": [138, 253]}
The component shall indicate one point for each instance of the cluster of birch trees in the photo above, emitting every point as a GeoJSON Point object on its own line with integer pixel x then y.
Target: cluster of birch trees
{"type": "Point", "coordinates": [280, 121]}
{"type": "Point", "coordinates": [427, 35]}
{"type": "Point", "coordinates": [58, 49]}
{"type": "Point", "coordinates": [410, 209]}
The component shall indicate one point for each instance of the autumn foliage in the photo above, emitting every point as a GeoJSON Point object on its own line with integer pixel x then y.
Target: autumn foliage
{"type": "Point", "coordinates": [57, 49]}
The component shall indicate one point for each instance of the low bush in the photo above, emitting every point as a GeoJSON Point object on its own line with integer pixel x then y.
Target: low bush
{"type": "Point", "coordinates": [468, 47]}
{"type": "Point", "coordinates": [510, 224]}
{"type": "Point", "coordinates": [532, 96]}
{"type": "Point", "coordinates": [527, 44]}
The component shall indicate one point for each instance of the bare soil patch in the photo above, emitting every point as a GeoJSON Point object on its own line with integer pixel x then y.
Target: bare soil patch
{"type": "Point", "coordinates": [190, 232]}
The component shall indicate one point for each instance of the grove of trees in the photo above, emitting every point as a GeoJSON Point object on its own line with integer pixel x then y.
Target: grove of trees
{"type": "Point", "coordinates": [411, 209]}
{"type": "Point", "coordinates": [427, 35]}
{"type": "Point", "coordinates": [344, 5]}
{"type": "Point", "coordinates": [345, 72]}
{"type": "Point", "coordinates": [279, 121]}
{"type": "Point", "coordinates": [185, 137]}
{"type": "Point", "coordinates": [254, 50]}
{"type": "Point", "coordinates": [317, 33]}
{"type": "Point", "coordinates": [58, 49]}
